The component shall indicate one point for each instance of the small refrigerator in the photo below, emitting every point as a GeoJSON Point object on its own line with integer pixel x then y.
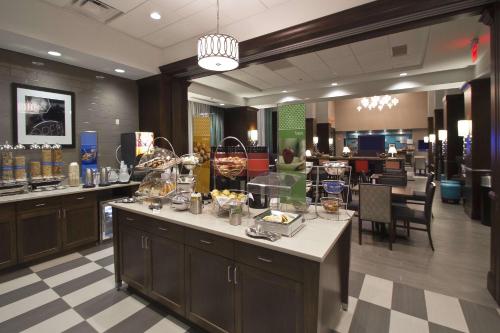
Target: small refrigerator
{"type": "Point", "coordinates": [106, 219]}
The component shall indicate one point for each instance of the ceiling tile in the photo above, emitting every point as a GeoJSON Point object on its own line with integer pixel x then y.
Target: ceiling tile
{"type": "Point", "coordinates": [370, 45]}
{"type": "Point", "coordinates": [137, 22]}
{"type": "Point", "coordinates": [375, 61]}
{"type": "Point", "coordinates": [223, 84]}
{"type": "Point", "coordinates": [189, 27]}
{"type": "Point", "coordinates": [267, 75]}
{"type": "Point", "coordinates": [294, 75]}
{"type": "Point", "coordinates": [272, 3]}
{"type": "Point", "coordinates": [238, 10]}
{"type": "Point", "coordinates": [250, 79]}
{"type": "Point", "coordinates": [312, 64]}
{"type": "Point", "coordinates": [341, 61]}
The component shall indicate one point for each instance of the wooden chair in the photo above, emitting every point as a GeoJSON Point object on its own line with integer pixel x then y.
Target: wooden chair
{"type": "Point", "coordinates": [375, 205]}
{"type": "Point", "coordinates": [417, 216]}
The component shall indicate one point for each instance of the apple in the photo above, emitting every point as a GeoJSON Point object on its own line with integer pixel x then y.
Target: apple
{"type": "Point", "coordinates": [288, 155]}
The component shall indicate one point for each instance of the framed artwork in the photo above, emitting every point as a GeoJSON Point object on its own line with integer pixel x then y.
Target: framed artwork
{"type": "Point", "coordinates": [43, 115]}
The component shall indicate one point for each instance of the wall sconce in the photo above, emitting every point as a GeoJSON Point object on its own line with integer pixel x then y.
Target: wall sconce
{"type": "Point", "coordinates": [443, 135]}
{"type": "Point", "coordinates": [308, 153]}
{"type": "Point", "coordinates": [330, 145]}
{"type": "Point", "coordinates": [432, 138]}
{"type": "Point", "coordinates": [253, 137]}
{"type": "Point", "coordinates": [315, 140]}
{"type": "Point", "coordinates": [426, 139]}
{"type": "Point", "coordinates": [464, 127]}
{"type": "Point", "coordinates": [346, 151]}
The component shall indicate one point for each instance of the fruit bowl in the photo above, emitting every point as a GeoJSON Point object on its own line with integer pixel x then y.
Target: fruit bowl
{"type": "Point", "coordinates": [333, 186]}
{"type": "Point", "coordinates": [331, 205]}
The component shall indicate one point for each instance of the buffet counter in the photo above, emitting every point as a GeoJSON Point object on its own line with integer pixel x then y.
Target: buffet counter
{"type": "Point", "coordinates": [213, 274]}
{"type": "Point", "coordinates": [38, 226]}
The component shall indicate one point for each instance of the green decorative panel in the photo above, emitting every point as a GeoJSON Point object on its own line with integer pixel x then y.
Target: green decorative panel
{"type": "Point", "coordinates": [292, 149]}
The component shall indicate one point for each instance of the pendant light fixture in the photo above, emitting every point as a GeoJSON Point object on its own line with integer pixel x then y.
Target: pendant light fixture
{"type": "Point", "coordinates": [218, 52]}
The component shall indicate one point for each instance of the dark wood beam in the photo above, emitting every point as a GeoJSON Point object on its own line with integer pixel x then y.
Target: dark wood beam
{"type": "Point", "coordinates": [370, 20]}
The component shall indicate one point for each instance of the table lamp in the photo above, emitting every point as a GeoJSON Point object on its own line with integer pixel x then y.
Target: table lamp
{"type": "Point", "coordinates": [392, 150]}
{"type": "Point", "coordinates": [346, 151]}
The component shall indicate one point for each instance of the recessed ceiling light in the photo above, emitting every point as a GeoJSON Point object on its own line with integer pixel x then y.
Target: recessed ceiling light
{"type": "Point", "coordinates": [54, 53]}
{"type": "Point", "coordinates": [155, 15]}
{"type": "Point", "coordinates": [284, 91]}
{"type": "Point", "coordinates": [222, 104]}
{"type": "Point", "coordinates": [37, 63]}
{"type": "Point", "coordinates": [335, 84]}
{"type": "Point", "coordinates": [403, 74]}
{"type": "Point", "coordinates": [119, 70]}
{"type": "Point", "coordinates": [99, 77]}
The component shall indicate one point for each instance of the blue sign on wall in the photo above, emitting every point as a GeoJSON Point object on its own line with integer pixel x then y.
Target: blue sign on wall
{"type": "Point", "coordinates": [88, 151]}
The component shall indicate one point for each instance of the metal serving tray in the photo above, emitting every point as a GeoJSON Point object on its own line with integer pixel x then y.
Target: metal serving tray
{"type": "Point", "coordinates": [288, 230]}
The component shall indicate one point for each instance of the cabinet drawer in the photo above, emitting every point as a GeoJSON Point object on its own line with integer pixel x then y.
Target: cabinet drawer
{"type": "Point", "coordinates": [38, 204]}
{"type": "Point", "coordinates": [79, 199]}
{"type": "Point", "coordinates": [211, 243]}
{"type": "Point", "coordinates": [131, 219]}
{"type": "Point", "coordinates": [269, 260]}
{"type": "Point", "coordinates": [167, 230]}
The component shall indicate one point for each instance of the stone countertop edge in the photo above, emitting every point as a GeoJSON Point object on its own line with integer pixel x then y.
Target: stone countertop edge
{"type": "Point", "coordinates": [313, 242]}
{"type": "Point", "coordinates": [55, 193]}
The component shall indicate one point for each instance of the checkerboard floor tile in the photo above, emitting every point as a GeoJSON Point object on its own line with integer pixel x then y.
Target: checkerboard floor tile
{"type": "Point", "coordinates": [76, 293]}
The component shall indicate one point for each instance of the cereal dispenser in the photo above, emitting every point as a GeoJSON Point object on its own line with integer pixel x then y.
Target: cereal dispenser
{"type": "Point", "coordinates": [7, 152]}
{"type": "Point", "coordinates": [20, 164]}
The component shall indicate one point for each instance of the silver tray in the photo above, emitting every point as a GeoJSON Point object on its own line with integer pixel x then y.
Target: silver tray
{"type": "Point", "coordinates": [288, 230]}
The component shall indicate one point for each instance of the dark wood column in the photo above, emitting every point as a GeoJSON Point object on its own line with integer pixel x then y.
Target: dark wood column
{"type": "Point", "coordinates": [438, 124]}
{"type": "Point", "coordinates": [310, 124]}
{"type": "Point", "coordinates": [163, 109]}
{"type": "Point", "coordinates": [477, 161]}
{"type": "Point", "coordinates": [238, 121]}
{"type": "Point", "coordinates": [492, 18]}
{"type": "Point", "coordinates": [453, 112]}
{"type": "Point", "coordinates": [323, 133]}
{"type": "Point", "coordinates": [430, 153]}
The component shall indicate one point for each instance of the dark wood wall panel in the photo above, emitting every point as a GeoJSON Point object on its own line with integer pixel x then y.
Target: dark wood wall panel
{"type": "Point", "coordinates": [309, 133]}
{"type": "Point", "coordinates": [430, 153]}
{"type": "Point", "coordinates": [323, 133]}
{"type": "Point", "coordinates": [438, 124]}
{"type": "Point", "coordinates": [238, 121]}
{"type": "Point", "coordinates": [492, 18]}
{"type": "Point", "coordinates": [163, 109]}
{"type": "Point", "coordinates": [454, 111]}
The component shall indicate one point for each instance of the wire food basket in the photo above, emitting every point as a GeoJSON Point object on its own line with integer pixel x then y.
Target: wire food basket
{"type": "Point", "coordinates": [160, 184]}
{"type": "Point", "coordinates": [337, 188]}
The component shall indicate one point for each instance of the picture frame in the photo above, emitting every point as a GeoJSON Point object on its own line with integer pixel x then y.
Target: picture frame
{"type": "Point", "coordinates": [43, 115]}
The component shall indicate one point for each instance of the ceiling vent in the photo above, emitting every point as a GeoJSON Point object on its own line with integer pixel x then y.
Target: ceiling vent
{"type": "Point", "coordinates": [96, 9]}
{"type": "Point", "coordinates": [279, 64]}
{"type": "Point", "coordinates": [399, 51]}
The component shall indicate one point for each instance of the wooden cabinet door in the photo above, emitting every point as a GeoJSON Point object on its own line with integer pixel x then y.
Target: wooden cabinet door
{"type": "Point", "coordinates": [210, 290]}
{"type": "Point", "coordinates": [79, 225]}
{"type": "Point", "coordinates": [267, 303]}
{"type": "Point", "coordinates": [8, 253]}
{"type": "Point", "coordinates": [167, 272]}
{"type": "Point", "coordinates": [133, 257]}
{"type": "Point", "coordinates": [38, 233]}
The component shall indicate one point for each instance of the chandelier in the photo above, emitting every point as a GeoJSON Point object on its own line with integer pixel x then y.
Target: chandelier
{"type": "Point", "coordinates": [377, 102]}
{"type": "Point", "coordinates": [218, 52]}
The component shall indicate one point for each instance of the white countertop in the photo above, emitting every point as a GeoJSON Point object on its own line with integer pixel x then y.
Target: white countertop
{"type": "Point", "coordinates": [55, 193]}
{"type": "Point", "coordinates": [313, 242]}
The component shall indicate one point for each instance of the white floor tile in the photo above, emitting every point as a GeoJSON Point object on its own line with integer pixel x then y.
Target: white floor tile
{"type": "Point", "coordinates": [445, 310]}
{"type": "Point", "coordinates": [58, 323]}
{"type": "Point", "coordinates": [110, 268]}
{"type": "Point", "coordinates": [401, 322]}
{"type": "Point", "coordinates": [95, 289]}
{"type": "Point", "coordinates": [55, 262]}
{"type": "Point", "coordinates": [170, 325]}
{"type": "Point", "coordinates": [20, 282]}
{"type": "Point", "coordinates": [26, 304]}
{"type": "Point", "coordinates": [100, 254]}
{"type": "Point", "coordinates": [72, 274]}
{"type": "Point", "coordinates": [377, 291]}
{"type": "Point", "coordinates": [116, 313]}
{"type": "Point", "coordinates": [344, 318]}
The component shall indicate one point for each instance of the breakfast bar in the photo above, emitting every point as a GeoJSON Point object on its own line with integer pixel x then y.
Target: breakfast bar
{"type": "Point", "coordinates": [215, 276]}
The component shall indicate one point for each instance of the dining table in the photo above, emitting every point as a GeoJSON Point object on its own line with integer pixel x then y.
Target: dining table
{"type": "Point", "coordinates": [397, 191]}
